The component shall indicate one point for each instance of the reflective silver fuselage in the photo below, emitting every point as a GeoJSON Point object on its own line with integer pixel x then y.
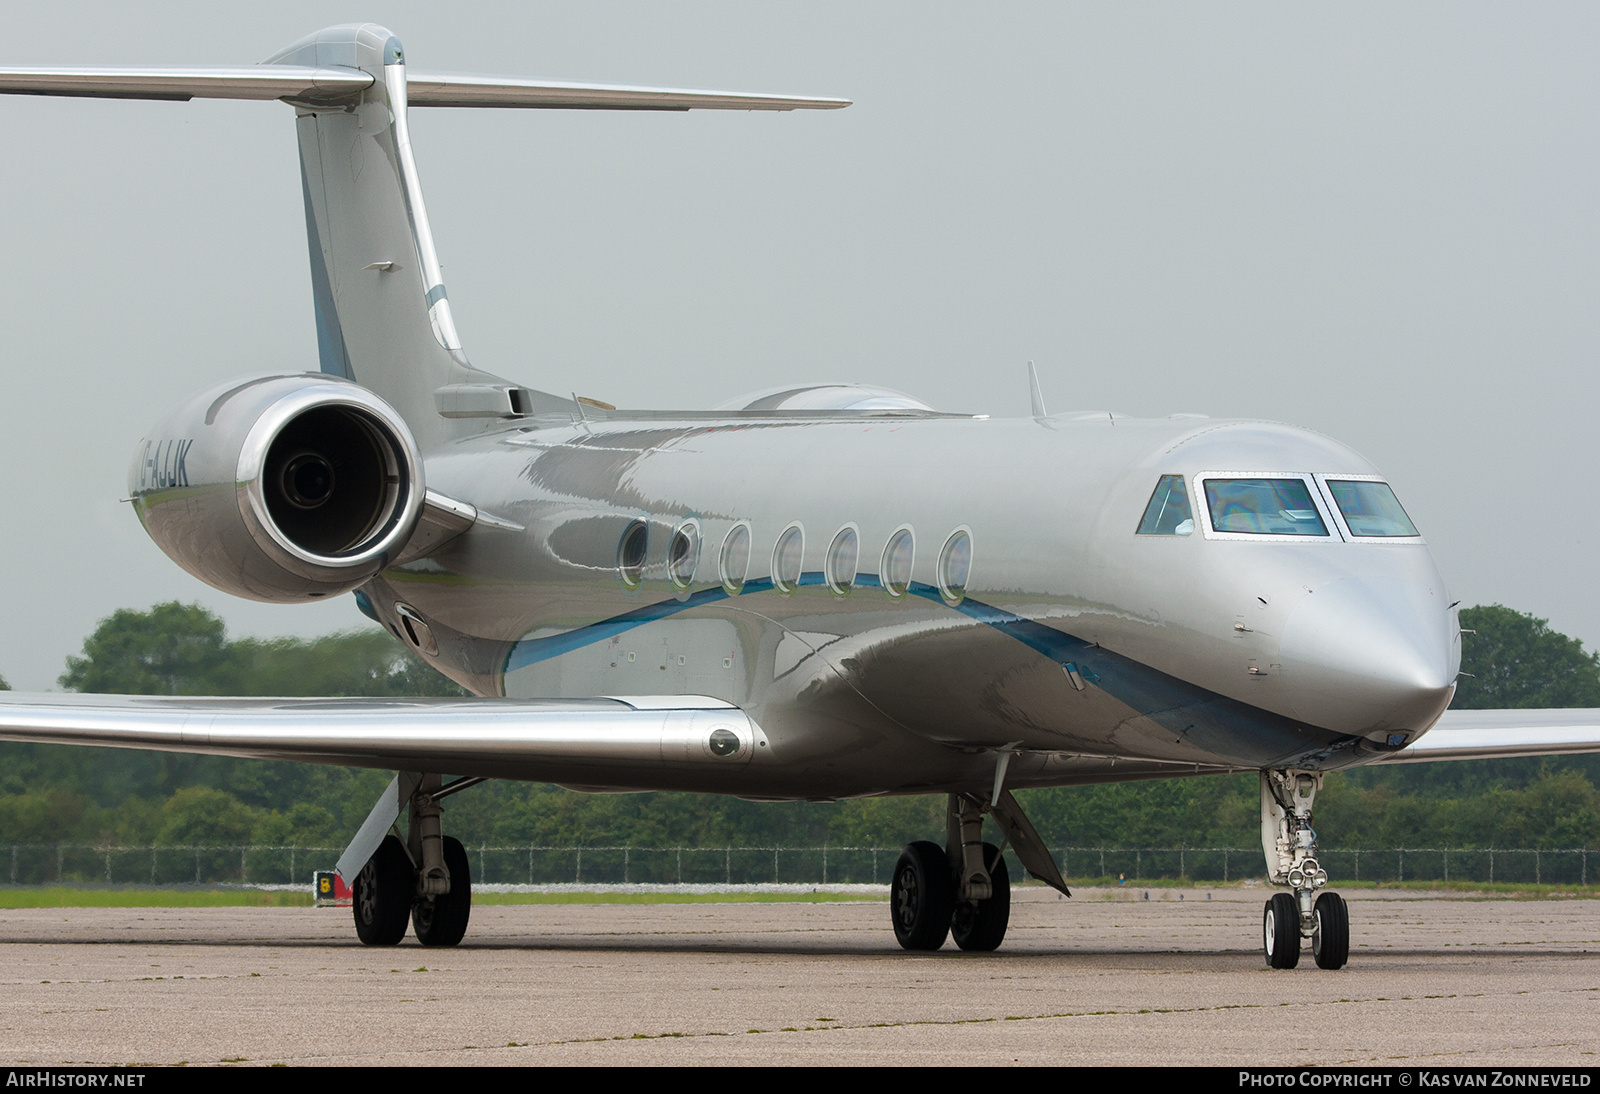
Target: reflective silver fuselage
{"type": "Point", "coordinates": [1087, 651]}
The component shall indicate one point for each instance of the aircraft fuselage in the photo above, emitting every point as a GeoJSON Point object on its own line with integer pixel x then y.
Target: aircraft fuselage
{"type": "Point", "coordinates": [1089, 651]}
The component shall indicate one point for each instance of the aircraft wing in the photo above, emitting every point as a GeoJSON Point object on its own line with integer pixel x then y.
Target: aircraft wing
{"type": "Point", "coordinates": [1490, 734]}
{"type": "Point", "coordinates": [273, 81]}
{"type": "Point", "coordinates": [489, 737]}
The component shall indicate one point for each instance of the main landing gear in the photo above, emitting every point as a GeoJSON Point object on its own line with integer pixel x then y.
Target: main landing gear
{"type": "Point", "coordinates": [425, 879]}
{"type": "Point", "coordinates": [1290, 844]}
{"type": "Point", "coordinates": [963, 889]}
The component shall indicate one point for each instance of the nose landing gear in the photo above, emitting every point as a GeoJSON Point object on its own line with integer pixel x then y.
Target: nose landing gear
{"type": "Point", "coordinates": [1330, 937]}
{"type": "Point", "coordinates": [1290, 845]}
{"type": "Point", "coordinates": [1280, 926]}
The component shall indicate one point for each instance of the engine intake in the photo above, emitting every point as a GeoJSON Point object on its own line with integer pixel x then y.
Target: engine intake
{"type": "Point", "coordinates": [282, 488]}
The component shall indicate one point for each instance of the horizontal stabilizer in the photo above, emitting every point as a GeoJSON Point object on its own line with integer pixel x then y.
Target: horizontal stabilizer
{"type": "Point", "coordinates": [183, 82]}
{"type": "Point", "coordinates": [333, 83]}
{"type": "Point", "coordinates": [1499, 734]}
{"type": "Point", "coordinates": [452, 89]}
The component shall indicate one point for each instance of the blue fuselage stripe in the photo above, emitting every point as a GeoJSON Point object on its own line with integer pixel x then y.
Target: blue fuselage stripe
{"type": "Point", "coordinates": [1048, 641]}
{"type": "Point", "coordinates": [1217, 724]}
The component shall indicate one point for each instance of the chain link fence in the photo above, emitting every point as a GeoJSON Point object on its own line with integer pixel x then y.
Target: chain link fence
{"type": "Point", "coordinates": [1513, 865]}
{"type": "Point", "coordinates": [37, 864]}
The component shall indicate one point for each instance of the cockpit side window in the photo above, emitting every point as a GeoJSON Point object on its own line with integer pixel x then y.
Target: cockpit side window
{"type": "Point", "coordinates": [1370, 508]}
{"type": "Point", "coordinates": [1168, 512]}
{"type": "Point", "coordinates": [1270, 507]}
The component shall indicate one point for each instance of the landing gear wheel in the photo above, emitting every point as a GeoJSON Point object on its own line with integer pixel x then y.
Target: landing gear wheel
{"type": "Point", "coordinates": [1330, 940]}
{"type": "Point", "coordinates": [922, 896]}
{"type": "Point", "coordinates": [381, 895]}
{"type": "Point", "coordinates": [981, 925]}
{"type": "Point", "coordinates": [442, 920]}
{"type": "Point", "coordinates": [1280, 929]}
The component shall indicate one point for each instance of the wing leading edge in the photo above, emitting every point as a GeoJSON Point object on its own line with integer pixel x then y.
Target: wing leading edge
{"type": "Point", "coordinates": [513, 738]}
{"type": "Point", "coordinates": [461, 735]}
{"type": "Point", "coordinates": [1492, 734]}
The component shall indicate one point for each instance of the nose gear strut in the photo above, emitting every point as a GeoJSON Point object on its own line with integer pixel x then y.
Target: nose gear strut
{"type": "Point", "coordinates": [1290, 844]}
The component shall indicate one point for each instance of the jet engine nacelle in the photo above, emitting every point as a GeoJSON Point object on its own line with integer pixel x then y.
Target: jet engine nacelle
{"type": "Point", "coordinates": [281, 488]}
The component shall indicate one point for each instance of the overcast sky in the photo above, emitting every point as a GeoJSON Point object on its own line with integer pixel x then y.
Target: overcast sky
{"type": "Point", "coordinates": [1375, 220]}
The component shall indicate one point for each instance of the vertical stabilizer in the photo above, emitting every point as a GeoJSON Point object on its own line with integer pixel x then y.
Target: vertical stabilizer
{"type": "Point", "coordinates": [383, 318]}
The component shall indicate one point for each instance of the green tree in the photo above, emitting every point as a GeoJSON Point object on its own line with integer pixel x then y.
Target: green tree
{"type": "Point", "coordinates": [203, 814]}
{"type": "Point", "coordinates": [182, 649]}
{"type": "Point", "coordinates": [173, 649]}
{"type": "Point", "coordinates": [114, 795]}
{"type": "Point", "coordinates": [1516, 661]}
{"type": "Point", "coordinates": [304, 823]}
{"type": "Point", "coordinates": [40, 815]}
{"type": "Point", "coordinates": [367, 663]}
{"type": "Point", "coordinates": [118, 795]}
{"type": "Point", "coordinates": [880, 822]}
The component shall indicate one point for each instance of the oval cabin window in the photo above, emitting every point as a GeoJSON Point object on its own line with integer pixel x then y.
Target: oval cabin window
{"type": "Point", "coordinates": [630, 554]}
{"type": "Point", "coordinates": [683, 555]}
{"type": "Point", "coordinates": [786, 558]}
{"type": "Point", "coordinates": [734, 562]}
{"type": "Point", "coordinates": [898, 555]}
{"type": "Point", "coordinates": [955, 564]}
{"type": "Point", "coordinates": [840, 567]}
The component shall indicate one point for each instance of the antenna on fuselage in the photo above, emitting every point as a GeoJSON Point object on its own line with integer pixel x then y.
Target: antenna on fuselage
{"type": "Point", "coordinates": [1034, 393]}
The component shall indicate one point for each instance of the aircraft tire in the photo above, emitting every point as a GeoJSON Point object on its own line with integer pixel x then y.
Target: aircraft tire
{"type": "Point", "coordinates": [981, 926]}
{"type": "Point", "coordinates": [381, 895]}
{"type": "Point", "coordinates": [1330, 944]}
{"type": "Point", "coordinates": [922, 896]}
{"type": "Point", "coordinates": [1280, 930]}
{"type": "Point", "coordinates": [442, 920]}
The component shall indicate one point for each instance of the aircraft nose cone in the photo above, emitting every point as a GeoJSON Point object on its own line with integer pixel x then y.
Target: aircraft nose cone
{"type": "Point", "coordinates": [1370, 656]}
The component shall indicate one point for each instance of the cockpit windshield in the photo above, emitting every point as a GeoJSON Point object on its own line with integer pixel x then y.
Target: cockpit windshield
{"type": "Point", "coordinates": [1269, 507]}
{"type": "Point", "coordinates": [1370, 508]}
{"type": "Point", "coordinates": [1168, 512]}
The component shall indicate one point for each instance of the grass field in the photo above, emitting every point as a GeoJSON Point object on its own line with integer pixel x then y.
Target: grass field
{"type": "Point", "coordinates": [1509, 890]}
{"type": "Point", "coordinates": [66, 896]}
